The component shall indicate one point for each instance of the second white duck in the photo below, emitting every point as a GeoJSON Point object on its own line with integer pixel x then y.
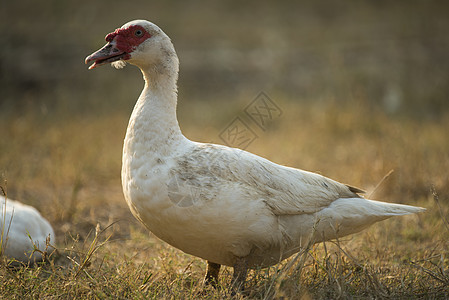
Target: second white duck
{"type": "Point", "coordinates": [24, 232]}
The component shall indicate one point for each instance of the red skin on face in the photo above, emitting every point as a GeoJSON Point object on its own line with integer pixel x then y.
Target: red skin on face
{"type": "Point", "coordinates": [128, 39]}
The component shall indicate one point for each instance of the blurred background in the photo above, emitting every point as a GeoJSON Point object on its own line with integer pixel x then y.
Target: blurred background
{"type": "Point", "coordinates": [363, 87]}
{"type": "Point", "coordinates": [391, 54]}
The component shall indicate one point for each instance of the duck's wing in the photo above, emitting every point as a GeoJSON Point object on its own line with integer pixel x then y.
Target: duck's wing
{"type": "Point", "coordinates": [286, 191]}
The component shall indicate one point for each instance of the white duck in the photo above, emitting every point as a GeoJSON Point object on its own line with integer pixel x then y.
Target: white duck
{"type": "Point", "coordinates": [18, 223]}
{"type": "Point", "coordinates": [247, 211]}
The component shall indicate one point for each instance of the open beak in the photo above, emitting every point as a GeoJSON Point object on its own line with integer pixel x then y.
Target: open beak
{"type": "Point", "coordinates": [109, 53]}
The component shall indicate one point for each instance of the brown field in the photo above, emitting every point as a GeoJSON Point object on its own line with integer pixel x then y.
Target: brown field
{"type": "Point", "coordinates": [363, 90]}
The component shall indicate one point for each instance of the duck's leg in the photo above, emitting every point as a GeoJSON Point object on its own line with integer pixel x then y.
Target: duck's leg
{"type": "Point", "coordinates": [212, 274]}
{"type": "Point", "coordinates": [239, 276]}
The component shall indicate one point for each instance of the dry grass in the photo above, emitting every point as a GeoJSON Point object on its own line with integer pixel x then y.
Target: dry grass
{"type": "Point", "coordinates": [363, 90]}
{"type": "Point", "coordinates": [72, 171]}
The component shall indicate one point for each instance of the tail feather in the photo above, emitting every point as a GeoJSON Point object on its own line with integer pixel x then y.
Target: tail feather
{"type": "Point", "coordinates": [351, 215]}
{"type": "Point", "coordinates": [395, 209]}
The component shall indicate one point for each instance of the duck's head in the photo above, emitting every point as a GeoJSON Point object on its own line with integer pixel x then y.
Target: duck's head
{"type": "Point", "coordinates": [138, 42]}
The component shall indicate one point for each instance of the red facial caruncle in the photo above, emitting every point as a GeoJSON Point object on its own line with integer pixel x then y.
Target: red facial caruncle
{"type": "Point", "coordinates": [127, 39]}
{"type": "Point", "coordinates": [121, 43]}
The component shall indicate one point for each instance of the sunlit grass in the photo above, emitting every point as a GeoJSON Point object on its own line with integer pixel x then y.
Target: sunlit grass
{"type": "Point", "coordinates": [69, 168]}
{"type": "Point", "coordinates": [363, 90]}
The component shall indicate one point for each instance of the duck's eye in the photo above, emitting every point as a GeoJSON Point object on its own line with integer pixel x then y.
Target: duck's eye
{"type": "Point", "coordinates": [138, 33]}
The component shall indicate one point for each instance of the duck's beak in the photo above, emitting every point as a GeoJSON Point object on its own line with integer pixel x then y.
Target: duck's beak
{"type": "Point", "coordinates": [109, 53]}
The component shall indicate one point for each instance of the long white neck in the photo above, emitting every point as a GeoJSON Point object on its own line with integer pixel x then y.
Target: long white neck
{"type": "Point", "coordinates": [153, 126]}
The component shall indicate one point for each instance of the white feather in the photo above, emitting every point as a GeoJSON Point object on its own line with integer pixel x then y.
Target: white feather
{"type": "Point", "coordinates": [23, 228]}
{"type": "Point", "coordinates": [222, 203]}
{"type": "Point", "coordinates": [119, 64]}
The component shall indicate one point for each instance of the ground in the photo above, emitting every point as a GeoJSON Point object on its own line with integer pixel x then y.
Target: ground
{"type": "Point", "coordinates": [359, 90]}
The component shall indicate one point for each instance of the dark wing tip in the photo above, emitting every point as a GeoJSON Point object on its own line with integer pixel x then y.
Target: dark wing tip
{"type": "Point", "coordinates": [356, 190]}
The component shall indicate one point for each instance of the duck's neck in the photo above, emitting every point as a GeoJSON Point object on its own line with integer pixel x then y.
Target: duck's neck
{"type": "Point", "coordinates": [153, 126]}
